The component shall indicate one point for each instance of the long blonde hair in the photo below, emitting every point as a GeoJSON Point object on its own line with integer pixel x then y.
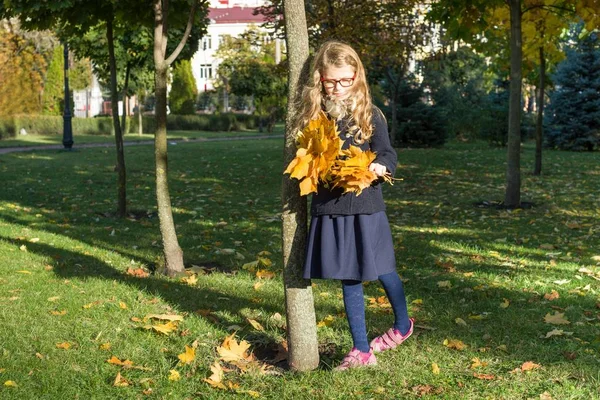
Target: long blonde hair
{"type": "Point", "coordinates": [338, 54]}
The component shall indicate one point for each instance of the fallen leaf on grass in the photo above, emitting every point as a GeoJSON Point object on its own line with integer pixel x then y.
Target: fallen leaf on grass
{"type": "Point", "coordinates": [505, 303]}
{"type": "Point", "coordinates": [379, 302]}
{"type": "Point", "coordinates": [444, 284]}
{"type": "Point", "coordinates": [562, 281]}
{"type": "Point", "coordinates": [92, 304]}
{"type": "Point", "coordinates": [116, 361]}
{"type": "Point", "coordinates": [231, 350]}
{"type": "Point", "coordinates": [188, 357]}
{"type": "Point", "coordinates": [54, 298]}
{"type": "Point", "coordinates": [455, 344]}
{"type": "Point", "coordinates": [137, 272]}
{"type": "Point", "coordinates": [556, 319]}
{"type": "Point", "coordinates": [165, 328]}
{"type": "Point", "coordinates": [174, 375]}
{"type": "Point", "coordinates": [255, 324]}
{"type": "Point", "coordinates": [165, 317]}
{"type": "Point", "coordinates": [215, 380]}
{"type": "Point", "coordinates": [265, 274]}
{"type": "Point", "coordinates": [190, 280]}
{"type": "Point", "coordinates": [328, 320]}
{"type": "Point", "coordinates": [460, 321]}
{"type": "Point", "coordinates": [105, 346]}
{"type": "Point", "coordinates": [557, 332]}
{"type": "Point", "coordinates": [417, 302]}
{"type": "Point", "coordinates": [257, 285]}
{"type": "Point", "coordinates": [54, 312]}
{"type": "Point", "coordinates": [435, 369]}
{"type": "Point", "coordinates": [422, 390]}
{"type": "Point", "coordinates": [122, 305]}
{"type": "Point", "coordinates": [477, 363]}
{"type": "Point", "coordinates": [24, 272]}
{"type": "Point", "coordinates": [526, 366]}
{"type": "Point", "coordinates": [553, 295]}
{"type": "Point", "coordinates": [64, 345]}
{"type": "Point", "coordinates": [487, 377]}
{"type": "Point", "coordinates": [10, 384]}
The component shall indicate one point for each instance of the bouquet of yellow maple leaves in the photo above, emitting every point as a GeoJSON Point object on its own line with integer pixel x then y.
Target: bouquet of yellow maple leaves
{"type": "Point", "coordinates": [320, 158]}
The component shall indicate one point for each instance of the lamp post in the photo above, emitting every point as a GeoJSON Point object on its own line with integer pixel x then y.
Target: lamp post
{"type": "Point", "coordinates": [67, 127]}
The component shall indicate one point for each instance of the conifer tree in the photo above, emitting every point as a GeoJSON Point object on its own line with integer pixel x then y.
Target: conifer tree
{"type": "Point", "coordinates": [53, 95]}
{"type": "Point", "coordinates": [574, 110]}
{"type": "Point", "coordinates": [182, 98]}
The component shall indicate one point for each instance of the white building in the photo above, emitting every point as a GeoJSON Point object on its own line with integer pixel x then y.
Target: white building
{"type": "Point", "coordinates": [226, 18]}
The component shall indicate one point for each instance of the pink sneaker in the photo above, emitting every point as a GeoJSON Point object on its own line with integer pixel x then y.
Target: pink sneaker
{"type": "Point", "coordinates": [357, 358]}
{"type": "Point", "coordinates": [391, 338]}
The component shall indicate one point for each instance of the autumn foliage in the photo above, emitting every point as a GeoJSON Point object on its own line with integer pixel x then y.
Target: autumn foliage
{"type": "Point", "coordinates": [320, 158]}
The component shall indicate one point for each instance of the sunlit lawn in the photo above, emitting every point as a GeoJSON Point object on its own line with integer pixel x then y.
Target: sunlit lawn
{"type": "Point", "coordinates": [42, 140]}
{"type": "Point", "coordinates": [481, 276]}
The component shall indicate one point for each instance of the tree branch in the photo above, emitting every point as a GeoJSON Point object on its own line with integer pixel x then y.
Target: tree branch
{"type": "Point", "coordinates": [186, 34]}
{"type": "Point", "coordinates": [548, 7]}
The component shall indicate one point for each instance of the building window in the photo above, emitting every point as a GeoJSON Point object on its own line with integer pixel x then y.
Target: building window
{"type": "Point", "coordinates": [207, 43]}
{"type": "Point", "coordinates": [205, 71]}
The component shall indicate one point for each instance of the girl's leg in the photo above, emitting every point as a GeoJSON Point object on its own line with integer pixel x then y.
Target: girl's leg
{"type": "Point", "coordinates": [395, 292]}
{"type": "Point", "coordinates": [354, 303]}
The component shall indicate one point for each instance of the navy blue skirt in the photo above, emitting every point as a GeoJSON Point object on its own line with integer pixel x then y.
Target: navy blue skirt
{"type": "Point", "coordinates": [357, 247]}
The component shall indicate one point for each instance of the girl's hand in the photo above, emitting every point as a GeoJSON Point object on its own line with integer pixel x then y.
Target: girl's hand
{"type": "Point", "coordinates": [378, 169]}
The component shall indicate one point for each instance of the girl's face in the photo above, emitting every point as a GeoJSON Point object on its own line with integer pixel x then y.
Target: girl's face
{"type": "Point", "coordinates": [338, 81]}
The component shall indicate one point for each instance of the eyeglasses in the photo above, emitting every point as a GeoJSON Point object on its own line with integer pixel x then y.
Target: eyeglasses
{"type": "Point", "coordinates": [344, 82]}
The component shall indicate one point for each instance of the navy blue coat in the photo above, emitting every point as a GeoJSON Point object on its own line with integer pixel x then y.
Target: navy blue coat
{"type": "Point", "coordinates": [370, 201]}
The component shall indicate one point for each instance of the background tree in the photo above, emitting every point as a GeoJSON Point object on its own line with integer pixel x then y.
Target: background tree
{"type": "Point", "coordinates": [183, 94]}
{"type": "Point", "coordinates": [168, 14]}
{"type": "Point", "coordinates": [574, 111]}
{"type": "Point", "coordinates": [53, 95]}
{"type": "Point", "coordinates": [299, 303]}
{"type": "Point", "coordinates": [24, 57]}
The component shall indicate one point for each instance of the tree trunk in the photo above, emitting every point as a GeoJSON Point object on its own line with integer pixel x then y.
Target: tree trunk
{"type": "Point", "coordinates": [539, 126]}
{"type": "Point", "coordinates": [173, 255]}
{"type": "Point", "coordinates": [513, 173]}
{"type": "Point", "coordinates": [140, 119]}
{"type": "Point", "coordinates": [299, 302]}
{"type": "Point", "coordinates": [114, 100]}
{"type": "Point", "coordinates": [125, 99]}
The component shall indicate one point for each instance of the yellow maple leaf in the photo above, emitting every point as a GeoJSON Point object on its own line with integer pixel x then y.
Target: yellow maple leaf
{"type": "Point", "coordinates": [63, 345]}
{"type": "Point", "coordinates": [328, 320]}
{"type": "Point", "coordinates": [215, 380]}
{"type": "Point", "coordinates": [120, 381]}
{"type": "Point", "coordinates": [174, 375]}
{"type": "Point", "coordinates": [122, 305]}
{"type": "Point", "coordinates": [105, 346]}
{"type": "Point", "coordinates": [435, 369]}
{"type": "Point", "coordinates": [116, 361]}
{"type": "Point", "coordinates": [265, 274]}
{"type": "Point", "coordinates": [190, 280]}
{"type": "Point", "coordinates": [351, 171]}
{"type": "Point", "coordinates": [477, 363]}
{"type": "Point", "coordinates": [165, 328]}
{"type": "Point", "coordinates": [232, 350]}
{"type": "Point", "coordinates": [318, 147]}
{"type": "Point", "coordinates": [188, 357]}
{"type": "Point", "coordinates": [556, 319]}
{"type": "Point", "coordinates": [455, 344]}
{"type": "Point", "coordinates": [10, 384]}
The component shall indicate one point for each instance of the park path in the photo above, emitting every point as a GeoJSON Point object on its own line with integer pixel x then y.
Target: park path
{"type": "Point", "coordinates": [6, 150]}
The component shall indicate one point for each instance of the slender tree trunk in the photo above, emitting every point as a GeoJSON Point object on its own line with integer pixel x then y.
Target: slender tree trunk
{"type": "Point", "coordinates": [173, 255]}
{"type": "Point", "coordinates": [140, 119]}
{"type": "Point", "coordinates": [114, 99]}
{"type": "Point", "coordinates": [125, 99]}
{"type": "Point", "coordinates": [539, 127]}
{"type": "Point", "coordinates": [299, 302]}
{"type": "Point", "coordinates": [513, 173]}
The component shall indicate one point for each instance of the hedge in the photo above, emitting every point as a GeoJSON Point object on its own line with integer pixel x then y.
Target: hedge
{"type": "Point", "coordinates": [53, 125]}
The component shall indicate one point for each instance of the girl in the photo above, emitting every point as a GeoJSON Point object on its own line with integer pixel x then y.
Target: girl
{"type": "Point", "coordinates": [350, 238]}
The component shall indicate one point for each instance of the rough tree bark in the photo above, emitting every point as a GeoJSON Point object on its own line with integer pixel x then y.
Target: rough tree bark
{"type": "Point", "coordinates": [125, 99]}
{"type": "Point", "coordinates": [173, 255]}
{"type": "Point", "coordinates": [300, 311]}
{"type": "Point", "coordinates": [539, 127]}
{"type": "Point", "coordinates": [114, 99]}
{"type": "Point", "coordinates": [513, 172]}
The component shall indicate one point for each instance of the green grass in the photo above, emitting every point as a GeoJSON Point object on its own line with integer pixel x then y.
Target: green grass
{"type": "Point", "coordinates": [42, 140]}
{"type": "Point", "coordinates": [57, 225]}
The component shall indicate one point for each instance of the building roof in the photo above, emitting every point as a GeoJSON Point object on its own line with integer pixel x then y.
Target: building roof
{"type": "Point", "coordinates": [234, 15]}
